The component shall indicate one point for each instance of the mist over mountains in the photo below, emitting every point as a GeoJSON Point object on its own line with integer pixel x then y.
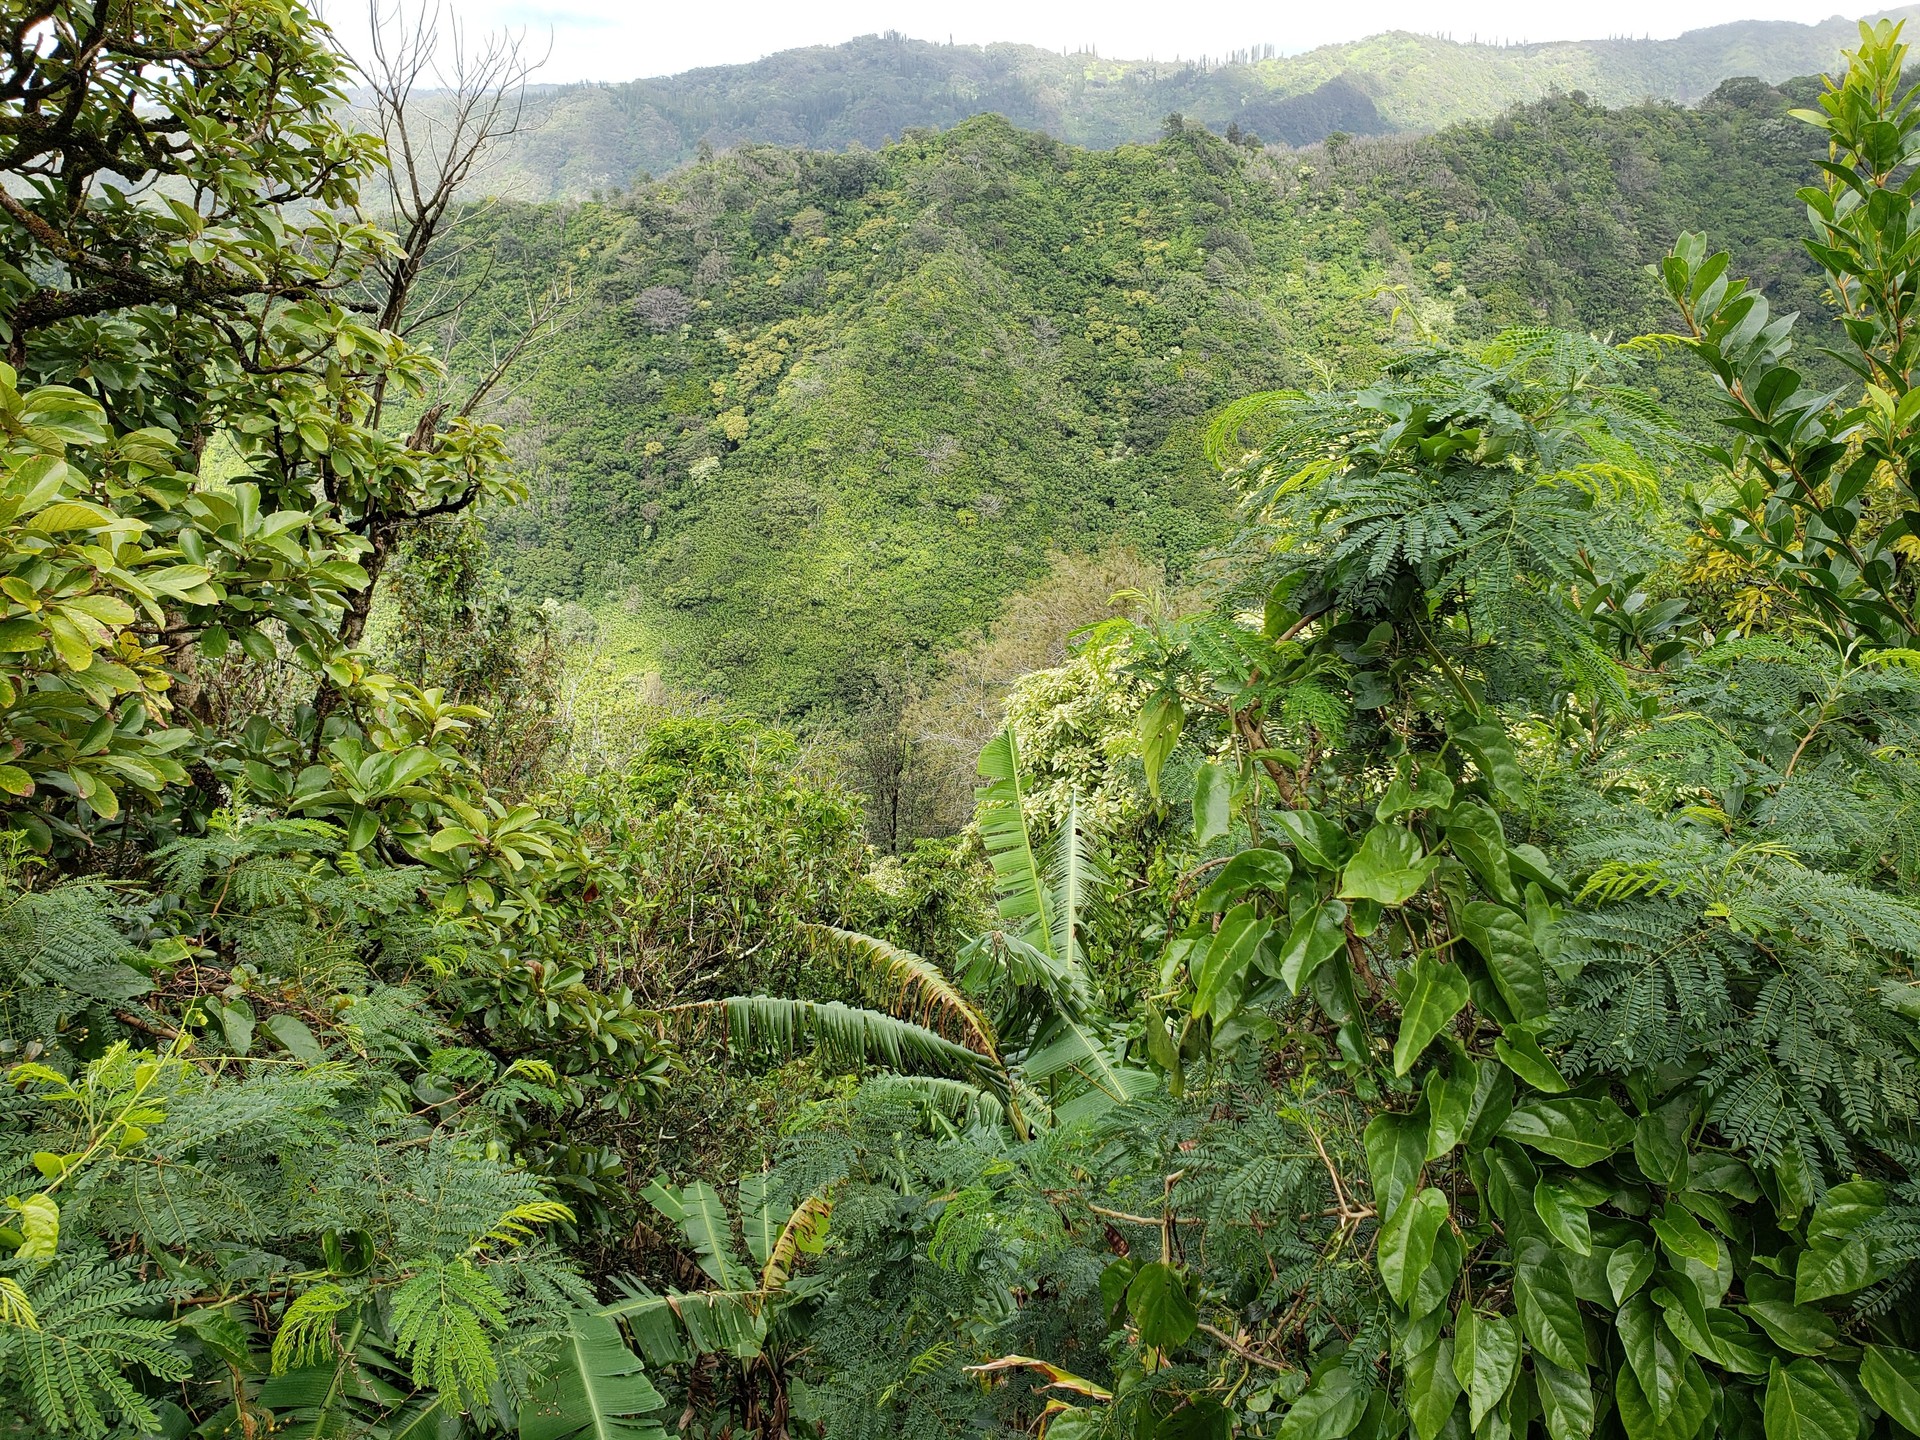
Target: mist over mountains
{"type": "Point", "coordinates": [583, 138]}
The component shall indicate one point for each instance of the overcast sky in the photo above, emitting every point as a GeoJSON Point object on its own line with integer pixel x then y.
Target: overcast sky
{"type": "Point", "coordinates": [626, 39]}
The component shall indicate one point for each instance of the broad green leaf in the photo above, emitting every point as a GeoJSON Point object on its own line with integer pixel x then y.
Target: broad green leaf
{"type": "Point", "coordinates": [1892, 1378]}
{"type": "Point", "coordinates": [1161, 720]}
{"type": "Point", "coordinates": [1660, 1141]}
{"type": "Point", "coordinates": [15, 781]}
{"type": "Point", "coordinates": [1432, 1389]}
{"type": "Point", "coordinates": [20, 636]}
{"type": "Point", "coordinates": [1795, 1328]}
{"type": "Point", "coordinates": [1161, 1306]}
{"type": "Point", "coordinates": [1505, 943]}
{"type": "Point", "coordinates": [1317, 936]}
{"type": "Point", "coordinates": [1838, 1259]}
{"type": "Point", "coordinates": [1692, 1403]}
{"type": "Point", "coordinates": [1628, 1268]}
{"type": "Point", "coordinates": [1330, 1408]}
{"type": "Point", "coordinates": [37, 1218]}
{"type": "Point", "coordinates": [758, 1223]}
{"type": "Point", "coordinates": [1566, 1399]}
{"type": "Point", "coordinates": [1429, 789]}
{"type": "Point", "coordinates": [1741, 1351]}
{"type": "Point", "coordinates": [1250, 873]}
{"type": "Point", "coordinates": [1406, 1241]}
{"type": "Point", "coordinates": [1847, 1208]}
{"type": "Point", "coordinates": [702, 1218]}
{"type": "Point", "coordinates": [292, 1035]}
{"type": "Point", "coordinates": [1213, 786]}
{"type": "Point", "coordinates": [1389, 867]}
{"type": "Point", "coordinates": [1450, 1105]}
{"type": "Point", "coordinates": [1806, 1402]}
{"type": "Point", "coordinates": [71, 515]}
{"type": "Point", "coordinates": [1564, 1217]}
{"type": "Point", "coordinates": [1486, 1357]}
{"type": "Point", "coordinates": [1683, 1237]}
{"type": "Point", "coordinates": [236, 1022]}
{"type": "Point", "coordinates": [1835, 1265]}
{"type": "Point", "coordinates": [1518, 1050]}
{"type": "Point", "coordinates": [597, 1390]}
{"type": "Point", "coordinates": [1436, 992]}
{"type": "Point", "coordinates": [1579, 1132]}
{"type": "Point", "coordinates": [1652, 1352]}
{"type": "Point", "coordinates": [1475, 833]}
{"type": "Point", "coordinates": [1435, 1284]}
{"type": "Point", "coordinates": [1396, 1145]}
{"type": "Point", "coordinates": [1217, 980]}
{"type": "Point", "coordinates": [1684, 1311]}
{"type": "Point", "coordinates": [1319, 842]}
{"type": "Point", "coordinates": [1490, 750]}
{"type": "Point", "coordinates": [1549, 1312]}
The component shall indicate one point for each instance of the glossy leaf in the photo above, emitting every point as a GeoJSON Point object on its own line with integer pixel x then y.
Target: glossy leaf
{"type": "Point", "coordinates": [1892, 1378]}
{"type": "Point", "coordinates": [1549, 1311]}
{"type": "Point", "coordinates": [1579, 1132]}
{"type": "Point", "coordinates": [1486, 1357]}
{"type": "Point", "coordinates": [1406, 1241]}
{"type": "Point", "coordinates": [1162, 1306]}
{"type": "Point", "coordinates": [1436, 992]}
{"type": "Point", "coordinates": [1806, 1402]}
{"type": "Point", "coordinates": [1389, 867]}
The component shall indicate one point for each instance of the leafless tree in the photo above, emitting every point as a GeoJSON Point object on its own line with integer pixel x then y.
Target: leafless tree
{"type": "Point", "coordinates": [441, 103]}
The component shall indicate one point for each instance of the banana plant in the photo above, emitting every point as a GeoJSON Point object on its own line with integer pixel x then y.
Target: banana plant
{"type": "Point", "coordinates": [1049, 1052]}
{"type": "Point", "coordinates": [1067, 1051]}
{"type": "Point", "coordinates": [736, 1313]}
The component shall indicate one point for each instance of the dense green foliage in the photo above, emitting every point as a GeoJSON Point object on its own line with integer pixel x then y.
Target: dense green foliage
{"type": "Point", "coordinates": [817, 416]}
{"type": "Point", "coordinates": [1450, 972]}
{"type": "Point", "coordinates": [872, 90]}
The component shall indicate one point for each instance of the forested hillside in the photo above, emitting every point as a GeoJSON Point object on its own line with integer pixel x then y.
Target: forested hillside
{"type": "Point", "coordinates": [1445, 964]}
{"type": "Point", "coordinates": [872, 90]}
{"type": "Point", "coordinates": [815, 416]}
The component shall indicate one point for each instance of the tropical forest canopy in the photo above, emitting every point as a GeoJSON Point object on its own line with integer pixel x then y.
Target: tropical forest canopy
{"type": "Point", "coordinates": [983, 789]}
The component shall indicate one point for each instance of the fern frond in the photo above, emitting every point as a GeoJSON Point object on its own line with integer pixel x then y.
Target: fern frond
{"type": "Point", "coordinates": [306, 1329]}
{"type": "Point", "coordinates": [444, 1319]}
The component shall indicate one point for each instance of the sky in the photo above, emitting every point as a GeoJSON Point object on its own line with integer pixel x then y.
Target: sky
{"type": "Point", "coordinates": [628, 39]}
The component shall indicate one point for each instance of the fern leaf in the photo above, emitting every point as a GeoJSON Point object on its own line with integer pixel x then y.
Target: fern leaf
{"type": "Point", "coordinates": [444, 1319]}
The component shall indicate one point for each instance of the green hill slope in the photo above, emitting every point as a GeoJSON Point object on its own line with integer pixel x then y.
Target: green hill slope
{"type": "Point", "coordinates": [872, 90]}
{"type": "Point", "coordinates": [816, 415]}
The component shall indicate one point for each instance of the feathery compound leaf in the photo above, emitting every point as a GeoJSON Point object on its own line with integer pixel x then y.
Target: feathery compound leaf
{"type": "Point", "coordinates": [444, 1318]}
{"type": "Point", "coordinates": [306, 1330]}
{"type": "Point", "coordinates": [70, 1367]}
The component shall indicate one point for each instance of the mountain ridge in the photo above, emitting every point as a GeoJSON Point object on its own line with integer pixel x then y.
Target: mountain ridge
{"type": "Point", "coordinates": [870, 90]}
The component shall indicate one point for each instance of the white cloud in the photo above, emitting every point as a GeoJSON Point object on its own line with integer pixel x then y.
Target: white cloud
{"type": "Point", "coordinates": [624, 39]}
